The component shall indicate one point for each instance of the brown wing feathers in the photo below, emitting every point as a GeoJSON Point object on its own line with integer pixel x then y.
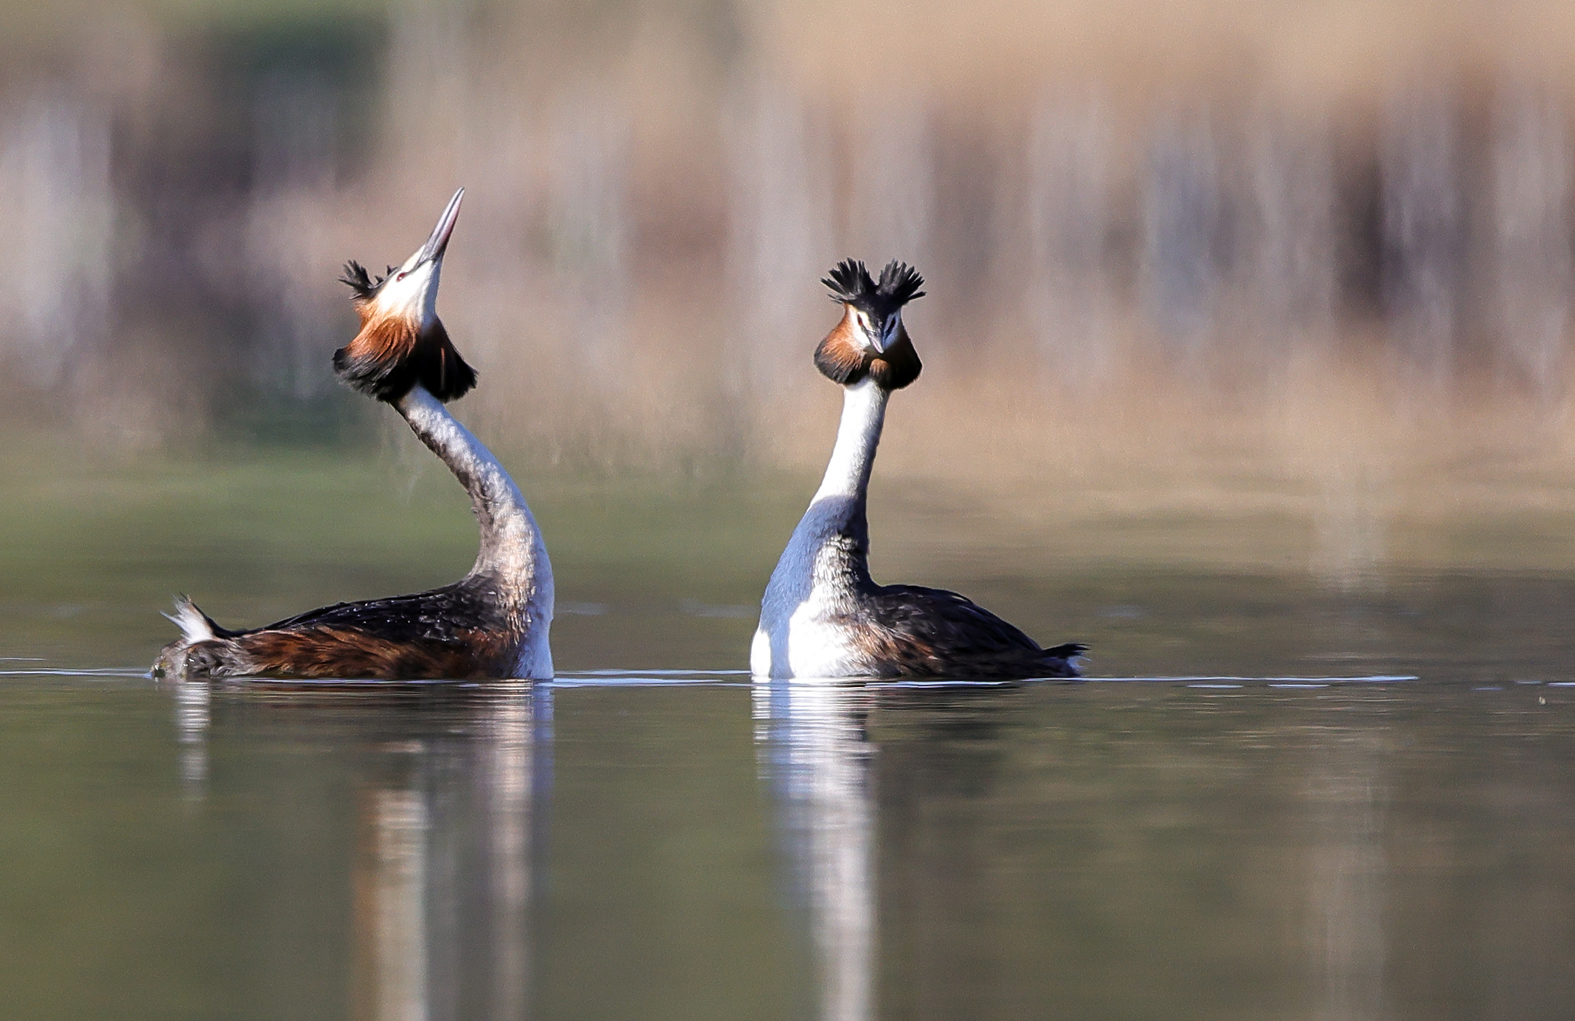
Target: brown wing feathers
{"type": "Point", "coordinates": [343, 652]}
{"type": "Point", "coordinates": [457, 631]}
{"type": "Point", "coordinates": [925, 632]}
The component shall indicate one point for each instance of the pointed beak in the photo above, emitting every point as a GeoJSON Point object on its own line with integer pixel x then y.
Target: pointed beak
{"type": "Point", "coordinates": [433, 249]}
{"type": "Point", "coordinates": [888, 332]}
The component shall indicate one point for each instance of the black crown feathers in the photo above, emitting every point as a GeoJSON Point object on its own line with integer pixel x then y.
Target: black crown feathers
{"type": "Point", "coordinates": [851, 284]}
{"type": "Point", "coordinates": [360, 281]}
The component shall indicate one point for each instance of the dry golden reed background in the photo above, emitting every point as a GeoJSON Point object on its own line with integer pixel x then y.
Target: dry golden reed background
{"type": "Point", "coordinates": [1206, 251]}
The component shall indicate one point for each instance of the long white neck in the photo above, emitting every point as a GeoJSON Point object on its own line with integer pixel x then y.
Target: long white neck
{"type": "Point", "coordinates": [826, 562]}
{"type": "Point", "coordinates": [858, 434]}
{"type": "Point", "coordinates": [511, 545]}
{"type": "Point", "coordinates": [831, 543]}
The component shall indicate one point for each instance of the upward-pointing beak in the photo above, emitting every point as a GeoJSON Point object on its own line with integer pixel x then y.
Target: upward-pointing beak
{"type": "Point", "coordinates": [433, 249]}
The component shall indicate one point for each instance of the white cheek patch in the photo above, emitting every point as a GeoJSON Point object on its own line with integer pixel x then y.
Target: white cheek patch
{"type": "Point", "coordinates": [410, 294]}
{"type": "Point", "coordinates": [862, 333]}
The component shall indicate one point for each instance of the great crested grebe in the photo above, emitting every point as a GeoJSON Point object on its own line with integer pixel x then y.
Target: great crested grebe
{"type": "Point", "coordinates": [491, 623]}
{"type": "Point", "coordinates": [822, 616]}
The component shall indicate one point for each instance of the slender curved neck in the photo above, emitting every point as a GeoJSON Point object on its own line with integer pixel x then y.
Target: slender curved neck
{"type": "Point", "coordinates": [511, 545]}
{"type": "Point", "coordinates": [827, 557]}
{"type": "Point", "coordinates": [858, 434]}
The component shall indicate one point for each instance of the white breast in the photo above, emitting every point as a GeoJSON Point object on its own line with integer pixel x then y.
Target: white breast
{"type": "Point", "coordinates": [535, 658]}
{"type": "Point", "coordinates": [807, 646]}
{"type": "Point", "coordinates": [803, 629]}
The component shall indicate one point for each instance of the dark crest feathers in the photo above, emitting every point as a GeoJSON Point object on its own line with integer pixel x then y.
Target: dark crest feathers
{"type": "Point", "coordinates": [851, 284]}
{"type": "Point", "coordinates": [359, 280]}
{"type": "Point", "coordinates": [849, 281]}
{"type": "Point", "coordinates": [362, 283]}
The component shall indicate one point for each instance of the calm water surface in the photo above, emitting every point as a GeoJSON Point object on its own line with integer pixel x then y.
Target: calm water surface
{"type": "Point", "coordinates": [624, 847]}
{"type": "Point", "coordinates": [1230, 823]}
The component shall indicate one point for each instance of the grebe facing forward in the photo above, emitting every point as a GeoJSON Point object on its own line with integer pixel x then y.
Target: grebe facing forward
{"type": "Point", "coordinates": [491, 623]}
{"type": "Point", "coordinates": [822, 616]}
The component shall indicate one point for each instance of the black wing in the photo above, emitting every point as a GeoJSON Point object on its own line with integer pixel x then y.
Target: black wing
{"type": "Point", "coordinates": [933, 632]}
{"type": "Point", "coordinates": [444, 614]}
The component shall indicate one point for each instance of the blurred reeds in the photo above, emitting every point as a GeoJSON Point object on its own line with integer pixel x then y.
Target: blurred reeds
{"type": "Point", "coordinates": [1328, 243]}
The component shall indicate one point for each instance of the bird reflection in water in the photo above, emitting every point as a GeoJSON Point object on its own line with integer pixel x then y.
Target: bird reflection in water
{"type": "Point", "coordinates": [815, 754]}
{"type": "Point", "coordinates": [192, 717]}
{"type": "Point", "coordinates": [453, 786]}
{"type": "Point", "coordinates": [849, 764]}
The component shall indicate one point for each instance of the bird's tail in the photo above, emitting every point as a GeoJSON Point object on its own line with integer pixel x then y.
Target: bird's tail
{"type": "Point", "coordinates": [1062, 660]}
{"type": "Point", "coordinates": [195, 626]}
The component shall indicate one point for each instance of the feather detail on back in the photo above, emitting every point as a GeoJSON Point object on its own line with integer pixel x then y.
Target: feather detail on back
{"type": "Point", "coordinates": [912, 631]}
{"type": "Point", "coordinates": [458, 631]}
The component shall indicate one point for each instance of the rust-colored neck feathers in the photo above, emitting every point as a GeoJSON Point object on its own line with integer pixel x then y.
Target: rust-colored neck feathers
{"type": "Point", "coordinates": [393, 352]}
{"type": "Point", "coordinates": [844, 358]}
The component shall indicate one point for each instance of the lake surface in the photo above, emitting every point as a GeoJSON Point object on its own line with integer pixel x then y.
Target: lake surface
{"type": "Point", "coordinates": [1284, 792]}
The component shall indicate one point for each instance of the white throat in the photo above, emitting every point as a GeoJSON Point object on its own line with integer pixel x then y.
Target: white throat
{"type": "Point", "coordinates": [817, 578]}
{"type": "Point", "coordinates": [412, 293]}
{"type": "Point", "coordinates": [858, 434]}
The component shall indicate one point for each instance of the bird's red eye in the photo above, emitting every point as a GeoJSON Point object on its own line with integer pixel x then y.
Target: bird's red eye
{"type": "Point", "coordinates": [400, 277]}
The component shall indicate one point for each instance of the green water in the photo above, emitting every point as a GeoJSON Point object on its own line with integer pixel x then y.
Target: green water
{"type": "Point", "coordinates": [651, 836]}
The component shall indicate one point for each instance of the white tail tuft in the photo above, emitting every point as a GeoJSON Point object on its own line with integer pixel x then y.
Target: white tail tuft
{"type": "Point", "coordinates": [193, 623]}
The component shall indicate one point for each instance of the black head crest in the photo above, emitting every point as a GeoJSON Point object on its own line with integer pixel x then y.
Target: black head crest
{"type": "Point", "coordinates": [851, 284]}
{"type": "Point", "coordinates": [899, 283]}
{"type": "Point", "coordinates": [360, 281]}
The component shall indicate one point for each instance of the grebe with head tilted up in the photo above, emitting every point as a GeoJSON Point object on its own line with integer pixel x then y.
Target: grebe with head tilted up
{"type": "Point", "coordinates": [822, 616]}
{"type": "Point", "coordinates": [491, 623]}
